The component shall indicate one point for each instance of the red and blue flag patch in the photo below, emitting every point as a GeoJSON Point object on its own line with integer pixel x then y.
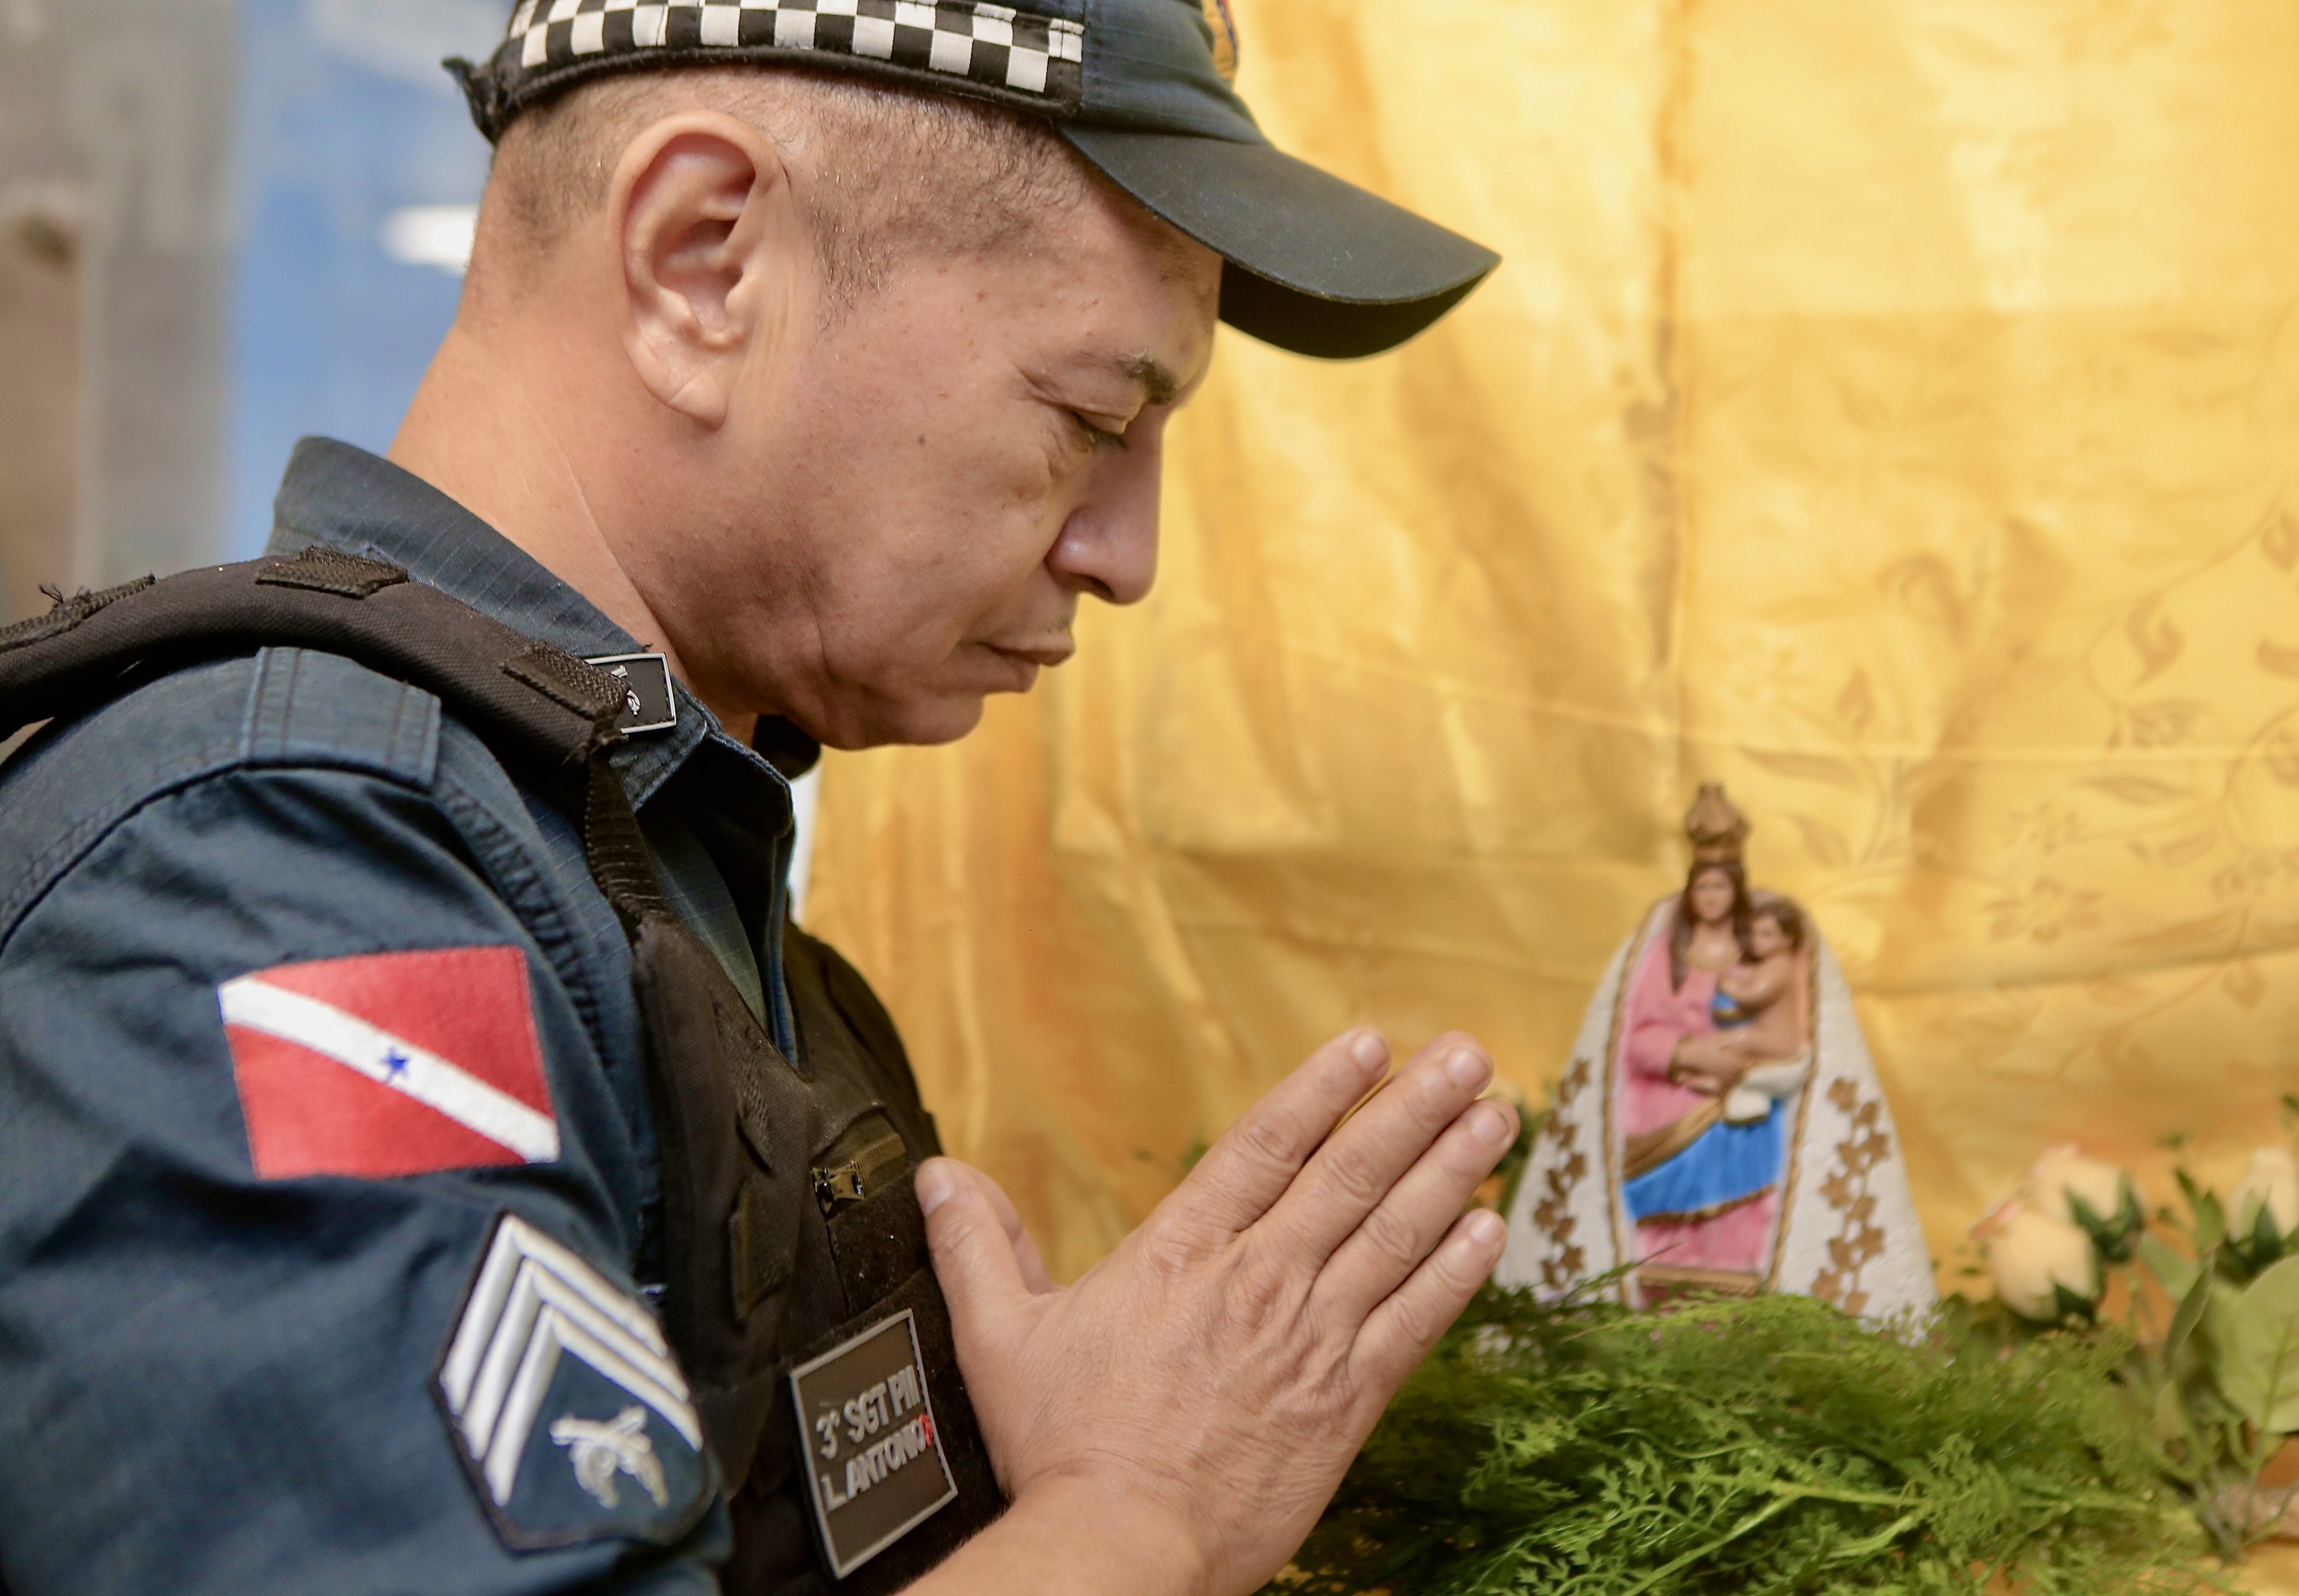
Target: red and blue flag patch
{"type": "Point", "coordinates": [390, 1064]}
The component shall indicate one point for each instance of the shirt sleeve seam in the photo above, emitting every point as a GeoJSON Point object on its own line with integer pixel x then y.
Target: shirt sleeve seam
{"type": "Point", "coordinates": [49, 869]}
{"type": "Point", "coordinates": [527, 892]}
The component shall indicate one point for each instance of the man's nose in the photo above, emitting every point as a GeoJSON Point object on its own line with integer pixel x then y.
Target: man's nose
{"type": "Point", "coordinates": [1108, 546]}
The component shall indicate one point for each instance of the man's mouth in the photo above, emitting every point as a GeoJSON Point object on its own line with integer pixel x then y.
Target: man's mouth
{"type": "Point", "coordinates": [1047, 654]}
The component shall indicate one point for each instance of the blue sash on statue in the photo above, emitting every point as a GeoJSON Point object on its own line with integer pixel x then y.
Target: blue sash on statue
{"type": "Point", "coordinates": [1726, 1164]}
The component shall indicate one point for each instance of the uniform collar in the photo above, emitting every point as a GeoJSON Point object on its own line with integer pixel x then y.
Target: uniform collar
{"type": "Point", "coordinates": [347, 498]}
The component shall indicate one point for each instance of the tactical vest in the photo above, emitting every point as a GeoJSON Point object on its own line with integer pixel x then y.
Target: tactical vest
{"type": "Point", "coordinates": [792, 1239]}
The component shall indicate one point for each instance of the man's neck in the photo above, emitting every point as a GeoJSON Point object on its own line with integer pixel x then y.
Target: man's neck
{"type": "Point", "coordinates": [479, 432]}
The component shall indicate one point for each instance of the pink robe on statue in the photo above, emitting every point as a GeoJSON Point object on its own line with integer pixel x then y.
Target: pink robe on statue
{"type": "Point", "coordinates": [1657, 1019]}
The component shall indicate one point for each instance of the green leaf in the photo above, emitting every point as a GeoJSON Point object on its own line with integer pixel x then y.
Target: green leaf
{"type": "Point", "coordinates": [2192, 1303]}
{"type": "Point", "coordinates": [1769, 1447]}
{"type": "Point", "coordinates": [2068, 1305]}
{"type": "Point", "coordinates": [2259, 1357]}
{"type": "Point", "coordinates": [2173, 1273]}
{"type": "Point", "coordinates": [2211, 1220]}
{"type": "Point", "coordinates": [2262, 1246]}
{"type": "Point", "coordinates": [2207, 1344]}
{"type": "Point", "coordinates": [2169, 1418]}
{"type": "Point", "coordinates": [2111, 1237]}
{"type": "Point", "coordinates": [2208, 1219]}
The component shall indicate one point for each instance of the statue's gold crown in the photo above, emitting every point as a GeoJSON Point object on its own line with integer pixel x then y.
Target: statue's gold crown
{"type": "Point", "coordinates": [1716, 828]}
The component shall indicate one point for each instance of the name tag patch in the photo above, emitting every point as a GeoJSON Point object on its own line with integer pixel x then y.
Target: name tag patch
{"type": "Point", "coordinates": [868, 1430]}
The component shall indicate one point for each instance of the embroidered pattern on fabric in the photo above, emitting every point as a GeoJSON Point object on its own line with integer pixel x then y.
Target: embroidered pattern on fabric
{"type": "Point", "coordinates": [996, 46]}
{"type": "Point", "coordinates": [600, 1451]}
{"type": "Point", "coordinates": [1552, 1215]}
{"type": "Point", "coordinates": [1860, 1240]}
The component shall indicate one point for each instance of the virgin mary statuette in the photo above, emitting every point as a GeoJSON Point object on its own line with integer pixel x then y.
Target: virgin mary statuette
{"type": "Point", "coordinates": [1720, 1126]}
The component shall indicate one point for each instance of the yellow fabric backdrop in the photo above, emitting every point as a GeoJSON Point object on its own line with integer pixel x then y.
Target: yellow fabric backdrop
{"type": "Point", "coordinates": [1889, 408]}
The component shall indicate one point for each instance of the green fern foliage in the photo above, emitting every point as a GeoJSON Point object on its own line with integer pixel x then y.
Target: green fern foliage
{"type": "Point", "coordinates": [1758, 1448]}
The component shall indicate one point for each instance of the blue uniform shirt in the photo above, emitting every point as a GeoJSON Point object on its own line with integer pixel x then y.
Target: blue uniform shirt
{"type": "Point", "coordinates": [328, 1183]}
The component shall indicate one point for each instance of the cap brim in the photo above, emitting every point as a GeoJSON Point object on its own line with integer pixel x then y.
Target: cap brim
{"type": "Point", "coordinates": [1315, 265]}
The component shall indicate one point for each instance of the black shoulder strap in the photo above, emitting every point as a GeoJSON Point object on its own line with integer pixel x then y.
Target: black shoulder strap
{"type": "Point", "coordinates": [529, 700]}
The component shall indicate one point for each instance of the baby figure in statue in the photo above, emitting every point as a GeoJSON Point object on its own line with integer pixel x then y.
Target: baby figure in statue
{"type": "Point", "coordinates": [1758, 1002]}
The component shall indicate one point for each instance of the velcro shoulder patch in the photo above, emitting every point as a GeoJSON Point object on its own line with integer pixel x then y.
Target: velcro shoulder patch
{"type": "Point", "coordinates": [389, 1064]}
{"type": "Point", "coordinates": [564, 1402]}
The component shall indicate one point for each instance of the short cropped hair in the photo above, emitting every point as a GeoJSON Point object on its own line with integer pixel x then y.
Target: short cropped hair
{"type": "Point", "coordinates": [884, 171]}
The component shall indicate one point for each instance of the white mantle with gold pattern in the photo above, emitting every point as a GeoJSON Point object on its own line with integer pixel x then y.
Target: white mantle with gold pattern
{"type": "Point", "coordinates": [1847, 1233]}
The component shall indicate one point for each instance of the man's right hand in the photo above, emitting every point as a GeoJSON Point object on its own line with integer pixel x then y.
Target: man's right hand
{"type": "Point", "coordinates": [1176, 1419]}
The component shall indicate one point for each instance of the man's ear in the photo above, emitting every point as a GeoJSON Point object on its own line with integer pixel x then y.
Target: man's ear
{"type": "Point", "coordinates": [702, 209]}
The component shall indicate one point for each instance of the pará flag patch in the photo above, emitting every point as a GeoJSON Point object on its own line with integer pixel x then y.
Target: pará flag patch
{"type": "Point", "coordinates": [389, 1064]}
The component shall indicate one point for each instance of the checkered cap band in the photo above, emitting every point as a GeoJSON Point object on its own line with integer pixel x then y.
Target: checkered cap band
{"type": "Point", "coordinates": [996, 51]}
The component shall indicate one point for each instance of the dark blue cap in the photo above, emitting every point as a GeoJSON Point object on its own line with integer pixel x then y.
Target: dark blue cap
{"type": "Point", "coordinates": [1139, 86]}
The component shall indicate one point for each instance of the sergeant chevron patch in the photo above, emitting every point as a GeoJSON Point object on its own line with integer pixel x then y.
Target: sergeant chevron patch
{"type": "Point", "coordinates": [566, 1403]}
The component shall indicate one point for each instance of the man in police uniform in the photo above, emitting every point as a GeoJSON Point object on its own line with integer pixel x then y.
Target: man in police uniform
{"type": "Point", "coordinates": [813, 363]}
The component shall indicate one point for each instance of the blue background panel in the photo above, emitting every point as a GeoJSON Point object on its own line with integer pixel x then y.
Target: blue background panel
{"type": "Point", "coordinates": [345, 119]}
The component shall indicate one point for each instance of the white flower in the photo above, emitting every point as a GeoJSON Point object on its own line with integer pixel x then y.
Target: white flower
{"type": "Point", "coordinates": [2270, 1182]}
{"type": "Point", "coordinates": [2030, 1252]}
{"type": "Point", "coordinates": [2064, 1172]}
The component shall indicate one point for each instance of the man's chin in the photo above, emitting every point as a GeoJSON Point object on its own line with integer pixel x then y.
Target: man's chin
{"type": "Point", "coordinates": [917, 725]}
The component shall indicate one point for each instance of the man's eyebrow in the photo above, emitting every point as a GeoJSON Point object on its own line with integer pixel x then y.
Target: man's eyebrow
{"type": "Point", "coordinates": [1157, 383]}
